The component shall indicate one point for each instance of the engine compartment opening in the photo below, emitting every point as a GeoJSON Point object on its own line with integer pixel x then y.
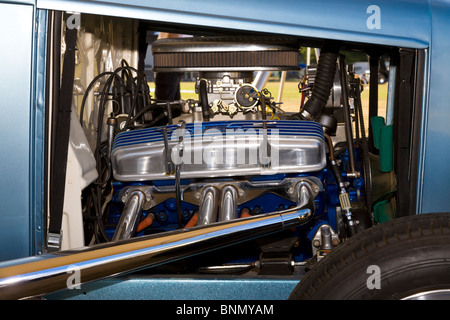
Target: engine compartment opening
{"type": "Point", "coordinates": [229, 149]}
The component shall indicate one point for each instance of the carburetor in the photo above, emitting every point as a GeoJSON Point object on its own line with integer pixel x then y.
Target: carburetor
{"type": "Point", "coordinates": [229, 92]}
{"type": "Point", "coordinates": [225, 68]}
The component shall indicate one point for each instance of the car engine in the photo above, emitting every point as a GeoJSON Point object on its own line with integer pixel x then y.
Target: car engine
{"type": "Point", "coordinates": [233, 153]}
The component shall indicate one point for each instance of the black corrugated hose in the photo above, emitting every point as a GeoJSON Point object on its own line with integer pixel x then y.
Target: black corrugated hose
{"type": "Point", "coordinates": [204, 99]}
{"type": "Point", "coordinates": [323, 82]}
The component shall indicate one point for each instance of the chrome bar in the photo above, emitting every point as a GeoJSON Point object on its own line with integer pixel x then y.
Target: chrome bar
{"type": "Point", "coordinates": [208, 207]}
{"type": "Point", "coordinates": [261, 79]}
{"type": "Point", "coordinates": [228, 204]}
{"type": "Point", "coordinates": [130, 216]}
{"type": "Point", "coordinates": [347, 117]}
{"type": "Point", "coordinates": [39, 275]}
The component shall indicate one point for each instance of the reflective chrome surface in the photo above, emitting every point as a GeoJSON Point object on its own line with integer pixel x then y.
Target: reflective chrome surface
{"type": "Point", "coordinates": [51, 272]}
{"type": "Point", "coordinates": [443, 294]}
{"type": "Point", "coordinates": [208, 207]}
{"type": "Point", "coordinates": [220, 149]}
{"type": "Point", "coordinates": [130, 216]}
{"type": "Point", "coordinates": [228, 204]}
{"type": "Point", "coordinates": [225, 54]}
{"type": "Point", "coordinates": [224, 44]}
{"type": "Point", "coordinates": [287, 188]}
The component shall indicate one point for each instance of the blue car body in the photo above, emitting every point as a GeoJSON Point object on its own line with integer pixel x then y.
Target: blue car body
{"type": "Point", "coordinates": [414, 24]}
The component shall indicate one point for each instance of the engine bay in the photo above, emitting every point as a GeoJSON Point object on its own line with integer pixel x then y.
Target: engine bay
{"type": "Point", "coordinates": [154, 163]}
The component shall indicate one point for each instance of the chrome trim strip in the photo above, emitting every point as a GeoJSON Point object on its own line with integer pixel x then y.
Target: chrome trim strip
{"type": "Point", "coordinates": [47, 273]}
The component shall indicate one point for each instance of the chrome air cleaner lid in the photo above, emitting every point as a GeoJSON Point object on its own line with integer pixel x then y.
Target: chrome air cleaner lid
{"type": "Point", "coordinates": [225, 54]}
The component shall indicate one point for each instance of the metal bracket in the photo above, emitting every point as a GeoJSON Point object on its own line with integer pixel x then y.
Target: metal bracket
{"type": "Point", "coordinates": [169, 163]}
{"type": "Point", "coordinates": [146, 190]}
{"type": "Point", "coordinates": [324, 240]}
{"type": "Point", "coordinates": [54, 241]}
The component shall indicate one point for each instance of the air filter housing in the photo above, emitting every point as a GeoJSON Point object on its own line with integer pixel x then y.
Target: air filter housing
{"type": "Point", "coordinates": [225, 54]}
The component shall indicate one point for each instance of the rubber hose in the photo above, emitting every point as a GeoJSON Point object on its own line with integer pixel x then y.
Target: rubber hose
{"type": "Point", "coordinates": [323, 82]}
{"type": "Point", "coordinates": [204, 100]}
{"type": "Point", "coordinates": [364, 145]}
{"type": "Point", "coordinates": [337, 175]}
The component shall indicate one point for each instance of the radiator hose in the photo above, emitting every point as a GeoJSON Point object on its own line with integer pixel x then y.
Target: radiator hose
{"type": "Point", "coordinates": [203, 92]}
{"type": "Point", "coordinates": [323, 82]}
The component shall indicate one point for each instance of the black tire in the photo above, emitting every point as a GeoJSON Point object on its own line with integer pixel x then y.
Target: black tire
{"type": "Point", "coordinates": [412, 255]}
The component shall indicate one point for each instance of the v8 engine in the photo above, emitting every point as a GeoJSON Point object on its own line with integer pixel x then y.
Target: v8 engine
{"type": "Point", "coordinates": [167, 164]}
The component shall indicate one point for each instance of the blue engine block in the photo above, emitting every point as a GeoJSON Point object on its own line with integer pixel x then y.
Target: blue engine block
{"type": "Point", "coordinates": [326, 204]}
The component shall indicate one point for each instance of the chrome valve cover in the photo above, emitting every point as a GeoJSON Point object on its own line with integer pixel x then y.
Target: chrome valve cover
{"type": "Point", "coordinates": [219, 149]}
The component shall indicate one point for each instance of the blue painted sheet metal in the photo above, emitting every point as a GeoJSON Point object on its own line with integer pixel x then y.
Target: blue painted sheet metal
{"type": "Point", "coordinates": [16, 33]}
{"type": "Point", "coordinates": [37, 133]}
{"type": "Point", "coordinates": [28, 2]}
{"type": "Point", "coordinates": [196, 287]}
{"type": "Point", "coordinates": [435, 152]}
{"type": "Point", "coordinates": [402, 23]}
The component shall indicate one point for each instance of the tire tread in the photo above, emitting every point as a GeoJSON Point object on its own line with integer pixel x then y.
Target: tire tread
{"type": "Point", "coordinates": [373, 240]}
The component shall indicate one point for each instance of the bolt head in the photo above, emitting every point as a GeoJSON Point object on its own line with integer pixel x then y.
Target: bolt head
{"type": "Point", "coordinates": [335, 241]}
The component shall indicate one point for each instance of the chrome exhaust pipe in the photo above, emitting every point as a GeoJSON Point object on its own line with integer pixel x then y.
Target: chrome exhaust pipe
{"type": "Point", "coordinates": [228, 204]}
{"type": "Point", "coordinates": [131, 214]}
{"type": "Point", "coordinates": [208, 207]}
{"type": "Point", "coordinates": [40, 275]}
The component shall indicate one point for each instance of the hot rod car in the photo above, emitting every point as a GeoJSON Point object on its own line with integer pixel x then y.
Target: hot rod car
{"type": "Point", "coordinates": [115, 185]}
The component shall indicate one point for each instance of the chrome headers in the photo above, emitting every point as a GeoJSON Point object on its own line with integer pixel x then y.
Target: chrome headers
{"type": "Point", "coordinates": [228, 203]}
{"type": "Point", "coordinates": [208, 206]}
{"type": "Point", "coordinates": [217, 201]}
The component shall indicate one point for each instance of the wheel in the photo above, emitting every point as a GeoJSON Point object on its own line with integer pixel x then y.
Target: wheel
{"type": "Point", "coordinates": [407, 258]}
